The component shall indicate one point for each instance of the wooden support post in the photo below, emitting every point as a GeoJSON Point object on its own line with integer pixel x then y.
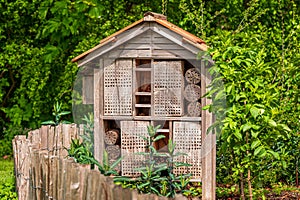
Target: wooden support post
{"type": "Point", "coordinates": [208, 143]}
{"type": "Point", "coordinates": [98, 138]}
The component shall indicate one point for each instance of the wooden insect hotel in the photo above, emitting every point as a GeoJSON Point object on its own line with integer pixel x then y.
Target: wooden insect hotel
{"type": "Point", "coordinates": [150, 73]}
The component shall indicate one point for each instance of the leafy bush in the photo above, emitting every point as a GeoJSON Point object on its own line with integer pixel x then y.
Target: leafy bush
{"type": "Point", "coordinates": [157, 178]}
{"type": "Point", "coordinates": [7, 181]}
{"type": "Point", "coordinates": [7, 191]}
{"type": "Point", "coordinates": [57, 115]}
{"type": "Point", "coordinates": [6, 140]}
{"type": "Point", "coordinates": [88, 131]}
{"type": "Point", "coordinates": [83, 155]}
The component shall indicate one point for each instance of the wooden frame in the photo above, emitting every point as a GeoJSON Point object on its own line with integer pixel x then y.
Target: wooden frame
{"type": "Point", "coordinates": [154, 39]}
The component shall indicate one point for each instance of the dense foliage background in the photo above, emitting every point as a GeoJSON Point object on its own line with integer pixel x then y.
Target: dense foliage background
{"type": "Point", "coordinates": [254, 43]}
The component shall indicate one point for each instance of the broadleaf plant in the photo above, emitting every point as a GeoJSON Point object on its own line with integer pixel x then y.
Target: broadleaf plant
{"type": "Point", "coordinates": [57, 114]}
{"type": "Point", "coordinates": [157, 178]}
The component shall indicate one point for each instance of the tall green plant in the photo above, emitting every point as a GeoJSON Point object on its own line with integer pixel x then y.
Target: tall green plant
{"type": "Point", "coordinates": [83, 155]}
{"type": "Point", "coordinates": [57, 114]}
{"type": "Point", "coordinates": [88, 131]}
{"type": "Point", "coordinates": [158, 178]}
{"type": "Point", "coordinates": [251, 128]}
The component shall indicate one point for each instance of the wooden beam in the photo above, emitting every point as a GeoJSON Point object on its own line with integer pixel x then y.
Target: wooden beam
{"type": "Point", "coordinates": [208, 143]}
{"type": "Point", "coordinates": [97, 137]}
{"type": "Point", "coordinates": [119, 41]}
{"type": "Point", "coordinates": [178, 39]}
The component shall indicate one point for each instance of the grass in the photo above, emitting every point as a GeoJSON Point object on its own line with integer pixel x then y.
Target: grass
{"type": "Point", "coordinates": [7, 180]}
{"type": "Point", "coordinates": [6, 171]}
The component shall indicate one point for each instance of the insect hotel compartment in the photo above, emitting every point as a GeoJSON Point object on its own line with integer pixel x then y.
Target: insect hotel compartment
{"type": "Point", "coordinates": [192, 91]}
{"type": "Point", "coordinates": [165, 127]}
{"type": "Point", "coordinates": [142, 73]}
{"type": "Point", "coordinates": [112, 140]}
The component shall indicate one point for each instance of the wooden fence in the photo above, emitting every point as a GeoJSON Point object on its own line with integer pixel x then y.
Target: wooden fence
{"type": "Point", "coordinates": [43, 170]}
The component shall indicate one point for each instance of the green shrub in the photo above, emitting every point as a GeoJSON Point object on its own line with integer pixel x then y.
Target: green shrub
{"type": "Point", "coordinates": [6, 139]}
{"type": "Point", "coordinates": [7, 180]}
{"type": "Point", "coordinates": [81, 154]}
{"type": "Point", "coordinates": [157, 178]}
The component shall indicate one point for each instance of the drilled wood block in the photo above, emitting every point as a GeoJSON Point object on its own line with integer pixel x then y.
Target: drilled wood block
{"type": "Point", "coordinates": [131, 144]}
{"type": "Point", "coordinates": [193, 76]}
{"type": "Point", "coordinates": [192, 92]}
{"type": "Point", "coordinates": [187, 136]}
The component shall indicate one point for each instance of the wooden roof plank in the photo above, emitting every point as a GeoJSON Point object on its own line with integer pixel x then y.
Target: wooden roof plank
{"type": "Point", "coordinates": [118, 43]}
{"type": "Point", "coordinates": [148, 16]}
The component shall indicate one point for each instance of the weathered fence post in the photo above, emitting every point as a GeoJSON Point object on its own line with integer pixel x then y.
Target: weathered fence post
{"type": "Point", "coordinates": [42, 172]}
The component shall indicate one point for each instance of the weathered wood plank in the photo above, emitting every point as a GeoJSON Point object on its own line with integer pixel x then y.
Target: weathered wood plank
{"type": "Point", "coordinates": [120, 40]}
{"type": "Point", "coordinates": [98, 140]}
{"type": "Point", "coordinates": [92, 186]}
{"type": "Point", "coordinates": [67, 165]}
{"type": "Point", "coordinates": [45, 174]}
{"type": "Point", "coordinates": [60, 178]}
{"type": "Point", "coordinates": [22, 165]}
{"type": "Point", "coordinates": [37, 182]}
{"type": "Point", "coordinates": [126, 193]}
{"type": "Point", "coordinates": [84, 170]}
{"type": "Point", "coordinates": [56, 141]}
{"type": "Point", "coordinates": [75, 175]}
{"type": "Point", "coordinates": [88, 89]}
{"type": "Point", "coordinates": [44, 137]}
{"type": "Point", "coordinates": [51, 177]}
{"type": "Point", "coordinates": [209, 143]}
{"type": "Point", "coordinates": [66, 135]}
{"type": "Point", "coordinates": [168, 45]}
{"type": "Point", "coordinates": [174, 37]}
{"type": "Point", "coordinates": [51, 141]}
{"type": "Point", "coordinates": [34, 138]}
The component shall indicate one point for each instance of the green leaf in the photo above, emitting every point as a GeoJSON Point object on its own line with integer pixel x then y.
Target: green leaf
{"type": "Point", "coordinates": [50, 122]}
{"type": "Point", "coordinates": [258, 150]}
{"type": "Point", "coordinates": [254, 112]}
{"type": "Point", "coordinates": [63, 113]}
{"type": "Point", "coordinates": [272, 123]}
{"type": "Point", "coordinates": [121, 179]}
{"type": "Point", "coordinates": [275, 154]}
{"type": "Point", "coordinates": [206, 107]}
{"type": "Point", "coordinates": [246, 127]}
{"type": "Point", "coordinates": [143, 185]}
{"type": "Point", "coordinates": [254, 133]}
{"type": "Point", "coordinates": [285, 127]}
{"type": "Point", "coordinates": [110, 172]}
{"type": "Point", "coordinates": [114, 164]}
{"type": "Point", "coordinates": [144, 138]}
{"type": "Point", "coordinates": [94, 12]}
{"type": "Point", "coordinates": [179, 154]}
{"type": "Point", "coordinates": [152, 149]}
{"type": "Point", "coordinates": [255, 144]}
{"type": "Point", "coordinates": [160, 169]}
{"type": "Point", "coordinates": [284, 164]}
{"type": "Point", "coordinates": [238, 134]}
{"type": "Point", "coordinates": [171, 146]}
{"type": "Point", "coordinates": [158, 137]}
{"type": "Point", "coordinates": [181, 164]}
{"type": "Point", "coordinates": [154, 190]}
{"type": "Point", "coordinates": [65, 122]}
